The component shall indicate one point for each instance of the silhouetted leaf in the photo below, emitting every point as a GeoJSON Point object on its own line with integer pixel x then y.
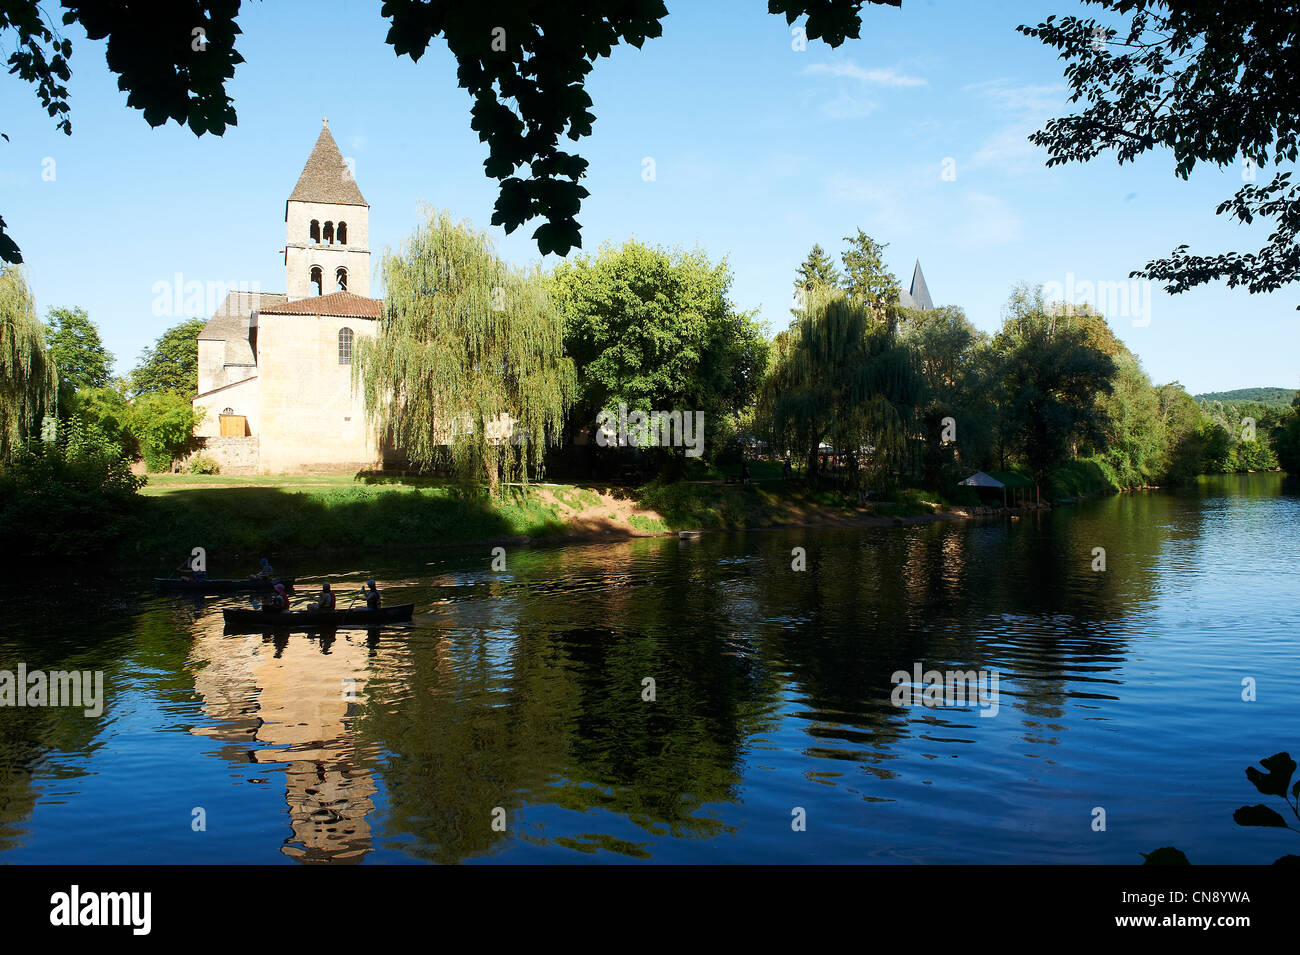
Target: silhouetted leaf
{"type": "Point", "coordinates": [1280, 768]}
{"type": "Point", "coordinates": [1258, 816]}
{"type": "Point", "coordinates": [1167, 855]}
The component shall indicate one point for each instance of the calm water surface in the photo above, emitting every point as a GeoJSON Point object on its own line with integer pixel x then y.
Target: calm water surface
{"type": "Point", "coordinates": [523, 690]}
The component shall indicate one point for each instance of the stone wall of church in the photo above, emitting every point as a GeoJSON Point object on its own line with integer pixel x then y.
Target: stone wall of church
{"type": "Point", "coordinates": [235, 455]}
{"type": "Point", "coordinates": [301, 253]}
{"type": "Point", "coordinates": [310, 418]}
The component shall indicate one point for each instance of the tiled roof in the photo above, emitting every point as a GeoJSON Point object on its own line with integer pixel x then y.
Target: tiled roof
{"type": "Point", "coordinates": [326, 177]}
{"type": "Point", "coordinates": [337, 304]}
{"type": "Point", "coordinates": [230, 323]}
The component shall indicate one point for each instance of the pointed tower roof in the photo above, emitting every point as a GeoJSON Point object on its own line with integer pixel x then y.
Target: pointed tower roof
{"type": "Point", "coordinates": [326, 177]}
{"type": "Point", "coordinates": [917, 296]}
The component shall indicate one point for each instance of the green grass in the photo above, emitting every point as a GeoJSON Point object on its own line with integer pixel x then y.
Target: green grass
{"type": "Point", "coordinates": [248, 522]}
{"type": "Point", "coordinates": [171, 483]}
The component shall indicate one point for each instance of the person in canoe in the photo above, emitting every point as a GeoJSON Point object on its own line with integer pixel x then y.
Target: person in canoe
{"type": "Point", "coordinates": [324, 600]}
{"type": "Point", "coordinates": [371, 594]}
{"type": "Point", "coordinates": [279, 600]}
{"type": "Point", "coordinates": [264, 572]}
{"type": "Point", "coordinates": [188, 573]}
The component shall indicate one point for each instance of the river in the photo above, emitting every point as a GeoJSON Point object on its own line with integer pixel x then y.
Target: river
{"type": "Point", "coordinates": [513, 721]}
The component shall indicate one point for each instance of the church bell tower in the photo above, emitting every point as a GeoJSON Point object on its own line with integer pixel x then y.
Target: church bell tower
{"type": "Point", "coordinates": [327, 227]}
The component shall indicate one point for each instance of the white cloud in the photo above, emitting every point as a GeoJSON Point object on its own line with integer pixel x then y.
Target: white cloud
{"type": "Point", "coordinates": [1027, 107]}
{"type": "Point", "coordinates": [1009, 149]}
{"type": "Point", "coordinates": [1034, 98]}
{"type": "Point", "coordinates": [846, 106]}
{"type": "Point", "coordinates": [889, 77]}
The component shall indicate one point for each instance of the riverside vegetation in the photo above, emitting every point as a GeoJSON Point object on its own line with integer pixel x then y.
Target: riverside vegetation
{"type": "Point", "coordinates": [866, 399]}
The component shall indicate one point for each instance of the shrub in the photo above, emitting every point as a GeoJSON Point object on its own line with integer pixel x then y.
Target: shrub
{"type": "Point", "coordinates": [204, 464]}
{"type": "Point", "coordinates": [164, 424]}
{"type": "Point", "coordinates": [69, 498]}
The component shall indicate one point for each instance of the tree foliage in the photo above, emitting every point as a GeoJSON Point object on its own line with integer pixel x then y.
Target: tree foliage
{"type": "Point", "coordinates": [1212, 82]}
{"type": "Point", "coordinates": [1048, 378]}
{"type": "Point", "coordinates": [816, 271]}
{"type": "Point", "coordinates": [66, 498]}
{"type": "Point", "coordinates": [524, 64]}
{"type": "Point", "coordinates": [866, 279]}
{"type": "Point", "coordinates": [167, 70]}
{"type": "Point", "coordinates": [468, 368]}
{"type": "Point", "coordinates": [171, 364]}
{"type": "Point", "coordinates": [1286, 439]}
{"type": "Point", "coordinates": [28, 380]}
{"type": "Point", "coordinates": [840, 376]}
{"type": "Point", "coordinates": [73, 344]}
{"type": "Point", "coordinates": [655, 329]}
{"type": "Point", "coordinates": [163, 425]}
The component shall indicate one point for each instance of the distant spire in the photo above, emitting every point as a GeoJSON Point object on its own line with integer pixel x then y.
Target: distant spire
{"type": "Point", "coordinates": [918, 295]}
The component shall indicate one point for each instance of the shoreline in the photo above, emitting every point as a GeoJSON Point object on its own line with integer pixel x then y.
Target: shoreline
{"type": "Point", "coordinates": [232, 523]}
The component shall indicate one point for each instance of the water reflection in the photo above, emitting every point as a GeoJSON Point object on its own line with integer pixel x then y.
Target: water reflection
{"type": "Point", "coordinates": [657, 699]}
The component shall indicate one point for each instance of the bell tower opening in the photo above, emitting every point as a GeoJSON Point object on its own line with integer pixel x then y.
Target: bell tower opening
{"type": "Point", "coordinates": [327, 226]}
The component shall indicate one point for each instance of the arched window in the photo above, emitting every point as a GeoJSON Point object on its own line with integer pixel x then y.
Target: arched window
{"type": "Point", "coordinates": [345, 346]}
{"type": "Point", "coordinates": [341, 279]}
{"type": "Point", "coordinates": [317, 280]}
{"type": "Point", "coordinates": [329, 233]}
{"type": "Point", "coordinates": [342, 233]}
{"type": "Point", "coordinates": [315, 230]}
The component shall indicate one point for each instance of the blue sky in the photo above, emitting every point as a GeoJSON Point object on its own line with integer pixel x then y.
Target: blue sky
{"type": "Point", "coordinates": [759, 151]}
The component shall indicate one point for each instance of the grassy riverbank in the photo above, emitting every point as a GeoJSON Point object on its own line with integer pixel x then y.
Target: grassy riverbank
{"type": "Point", "coordinates": [242, 519]}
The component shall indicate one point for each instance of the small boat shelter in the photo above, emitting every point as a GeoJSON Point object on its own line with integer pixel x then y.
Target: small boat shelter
{"type": "Point", "coordinates": [981, 480]}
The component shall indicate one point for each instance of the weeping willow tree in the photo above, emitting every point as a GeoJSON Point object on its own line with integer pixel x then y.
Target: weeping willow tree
{"type": "Point", "coordinates": [467, 370]}
{"type": "Point", "coordinates": [28, 381]}
{"type": "Point", "coordinates": [838, 374]}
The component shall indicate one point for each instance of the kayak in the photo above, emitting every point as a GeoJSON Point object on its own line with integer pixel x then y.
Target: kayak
{"type": "Point", "coordinates": [312, 619]}
{"type": "Point", "coordinates": [219, 586]}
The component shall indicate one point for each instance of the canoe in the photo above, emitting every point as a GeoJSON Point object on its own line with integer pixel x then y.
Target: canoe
{"type": "Point", "coordinates": [220, 586]}
{"type": "Point", "coordinates": [316, 619]}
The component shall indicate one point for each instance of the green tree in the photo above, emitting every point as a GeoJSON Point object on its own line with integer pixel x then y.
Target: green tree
{"type": "Point", "coordinates": [1192, 443]}
{"type": "Point", "coordinates": [106, 408]}
{"type": "Point", "coordinates": [28, 380]}
{"type": "Point", "coordinates": [463, 341]}
{"type": "Point", "coordinates": [655, 329]}
{"type": "Point", "coordinates": [1212, 82]}
{"type": "Point", "coordinates": [1286, 438]}
{"type": "Point", "coordinates": [171, 364]}
{"type": "Point", "coordinates": [1049, 376]}
{"type": "Point", "coordinates": [816, 271]}
{"type": "Point", "coordinates": [866, 279]}
{"type": "Point", "coordinates": [523, 63]}
{"type": "Point", "coordinates": [74, 346]}
{"type": "Point", "coordinates": [839, 375]}
{"type": "Point", "coordinates": [163, 423]}
{"type": "Point", "coordinates": [947, 351]}
{"type": "Point", "coordinates": [1130, 411]}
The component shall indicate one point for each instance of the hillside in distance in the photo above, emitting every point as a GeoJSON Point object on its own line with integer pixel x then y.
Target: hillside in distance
{"type": "Point", "coordinates": [1276, 397]}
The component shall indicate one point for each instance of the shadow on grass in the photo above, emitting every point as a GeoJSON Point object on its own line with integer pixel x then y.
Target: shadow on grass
{"type": "Point", "coordinates": [250, 522]}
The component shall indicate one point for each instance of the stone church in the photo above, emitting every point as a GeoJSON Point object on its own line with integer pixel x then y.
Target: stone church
{"type": "Point", "coordinates": [275, 378]}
